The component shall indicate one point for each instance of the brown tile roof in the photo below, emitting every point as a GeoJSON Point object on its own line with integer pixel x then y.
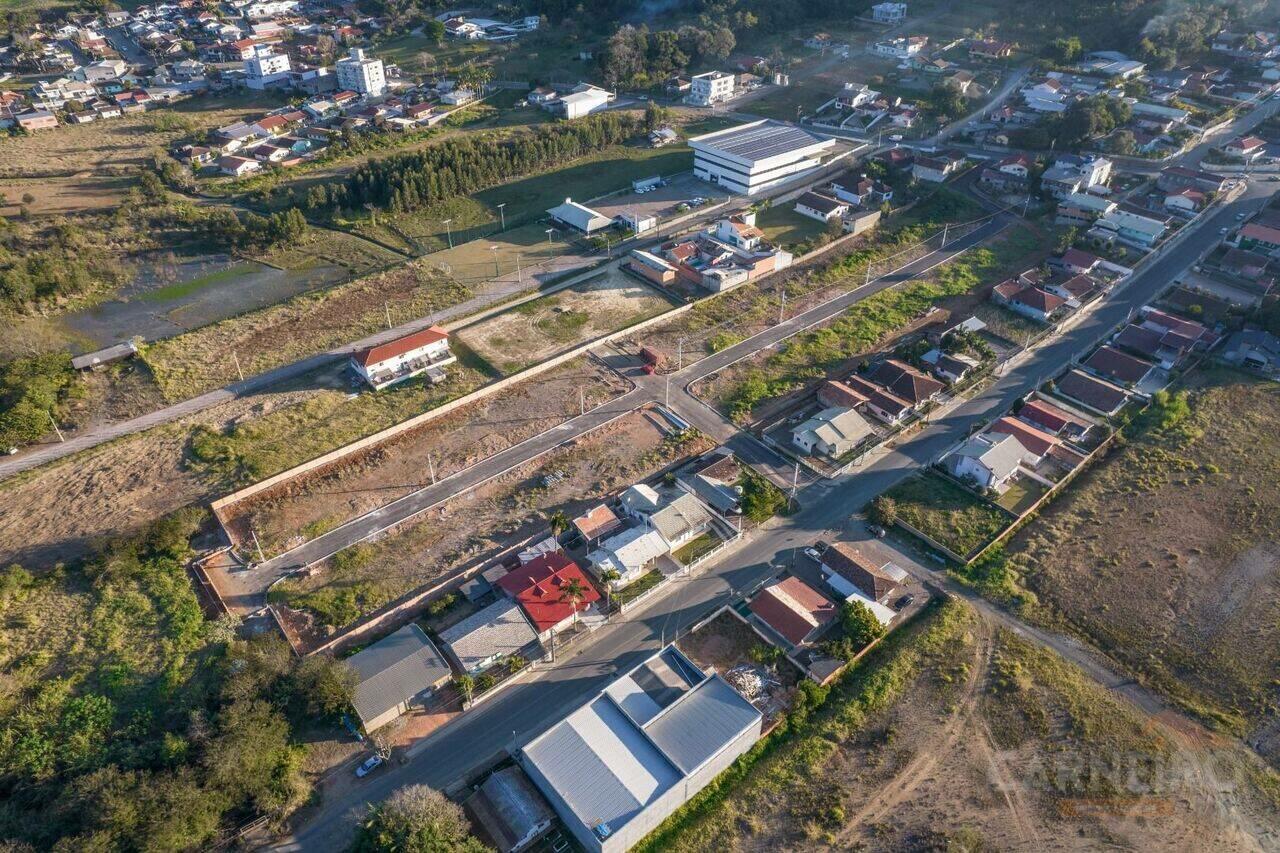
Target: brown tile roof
{"type": "Point", "coordinates": [1114, 364]}
{"type": "Point", "coordinates": [400, 346]}
{"type": "Point", "coordinates": [846, 561]}
{"type": "Point", "coordinates": [1036, 440]}
{"type": "Point", "coordinates": [1046, 415]}
{"type": "Point", "coordinates": [905, 381]}
{"type": "Point", "coordinates": [793, 609]}
{"type": "Point", "coordinates": [834, 393]}
{"type": "Point", "coordinates": [596, 522]}
{"type": "Point", "coordinates": [1094, 393]}
{"type": "Point", "coordinates": [1138, 339]}
{"type": "Point", "coordinates": [878, 397]}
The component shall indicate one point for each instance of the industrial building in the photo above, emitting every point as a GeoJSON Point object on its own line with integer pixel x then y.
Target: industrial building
{"type": "Point", "coordinates": [618, 766]}
{"type": "Point", "coordinates": [751, 158]}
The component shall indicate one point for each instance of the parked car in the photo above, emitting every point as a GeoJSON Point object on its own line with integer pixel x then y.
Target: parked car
{"type": "Point", "coordinates": [812, 554]}
{"type": "Point", "coordinates": [904, 602]}
{"type": "Point", "coordinates": [1241, 215]}
{"type": "Point", "coordinates": [1224, 230]}
{"type": "Point", "coordinates": [876, 530]}
{"type": "Point", "coordinates": [371, 764]}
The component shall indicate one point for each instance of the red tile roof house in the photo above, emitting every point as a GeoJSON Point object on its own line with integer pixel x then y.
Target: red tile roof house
{"type": "Point", "coordinates": [1244, 147]}
{"type": "Point", "coordinates": [1051, 419]}
{"type": "Point", "coordinates": [1075, 289]}
{"type": "Point", "coordinates": [1028, 301]}
{"type": "Point", "coordinates": [1116, 366]}
{"type": "Point", "coordinates": [403, 358]}
{"type": "Point", "coordinates": [834, 393]}
{"type": "Point", "coordinates": [904, 381]}
{"type": "Point", "coordinates": [538, 587]}
{"type": "Point", "coordinates": [794, 610]}
{"type": "Point", "coordinates": [884, 406]}
{"type": "Point", "coordinates": [1094, 394]}
{"type": "Point", "coordinates": [1035, 441]}
{"type": "Point", "coordinates": [1075, 261]}
{"type": "Point", "coordinates": [855, 578]}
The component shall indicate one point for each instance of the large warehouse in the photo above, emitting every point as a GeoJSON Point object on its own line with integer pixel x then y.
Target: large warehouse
{"type": "Point", "coordinates": [617, 767]}
{"type": "Point", "coordinates": [751, 158]}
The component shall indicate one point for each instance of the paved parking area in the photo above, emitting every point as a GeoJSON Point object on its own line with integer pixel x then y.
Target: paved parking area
{"type": "Point", "coordinates": [662, 201]}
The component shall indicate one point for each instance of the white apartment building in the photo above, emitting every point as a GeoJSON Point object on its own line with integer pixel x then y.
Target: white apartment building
{"type": "Point", "coordinates": [265, 67]}
{"type": "Point", "coordinates": [361, 73]}
{"type": "Point", "coordinates": [710, 88]}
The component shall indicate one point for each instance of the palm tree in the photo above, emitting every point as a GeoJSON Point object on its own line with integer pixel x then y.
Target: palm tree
{"type": "Point", "coordinates": [559, 524]}
{"type": "Point", "coordinates": [466, 686]}
{"type": "Point", "coordinates": [607, 577]}
{"type": "Point", "coordinates": [573, 592]}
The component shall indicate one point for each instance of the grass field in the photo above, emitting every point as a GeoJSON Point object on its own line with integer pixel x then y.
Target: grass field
{"type": "Point", "coordinates": [783, 226]}
{"type": "Point", "coordinates": [947, 513]}
{"type": "Point", "coordinates": [527, 200]}
{"type": "Point", "coordinates": [517, 249]}
{"type": "Point", "coordinates": [1165, 554]}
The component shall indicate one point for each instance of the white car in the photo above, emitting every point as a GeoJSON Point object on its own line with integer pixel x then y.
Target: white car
{"type": "Point", "coordinates": [812, 554]}
{"type": "Point", "coordinates": [371, 764]}
{"type": "Point", "coordinates": [1224, 230]}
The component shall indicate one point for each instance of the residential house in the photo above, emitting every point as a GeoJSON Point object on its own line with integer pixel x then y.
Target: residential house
{"type": "Point", "coordinates": [1254, 349]}
{"type": "Point", "coordinates": [1075, 174]}
{"type": "Point", "coordinates": [987, 461]}
{"type": "Point", "coordinates": [714, 479]}
{"type": "Point", "coordinates": [793, 610]}
{"type": "Point", "coordinates": [1177, 177]}
{"type": "Point", "coordinates": [1028, 300]}
{"type": "Point", "coordinates": [1116, 366]}
{"type": "Point", "coordinates": [508, 812]}
{"type": "Point", "coordinates": [1052, 419]}
{"type": "Point", "coordinates": [539, 587]}
{"type": "Point", "coordinates": [394, 672]}
{"type": "Point", "coordinates": [1136, 229]}
{"type": "Point", "coordinates": [1075, 289]}
{"type": "Point", "coordinates": [832, 432]}
{"type": "Point", "coordinates": [1092, 393]}
{"type": "Point", "coordinates": [489, 636]}
{"type": "Point", "coordinates": [936, 169]}
{"type": "Point", "coordinates": [1075, 262]}
{"type": "Point", "coordinates": [949, 367]}
{"type": "Point", "coordinates": [579, 217]}
{"type": "Point", "coordinates": [34, 120]}
{"type": "Point", "coordinates": [836, 394]}
{"type": "Point", "coordinates": [855, 95]}
{"type": "Point", "coordinates": [596, 523]}
{"type": "Point", "coordinates": [889, 13]}
{"type": "Point", "coordinates": [1036, 443]}
{"type": "Point", "coordinates": [1177, 330]}
{"type": "Point", "coordinates": [989, 50]}
{"type": "Point", "coordinates": [620, 765]}
{"type": "Point", "coordinates": [740, 231]}
{"type": "Point", "coordinates": [1011, 174]}
{"type": "Point", "coordinates": [902, 47]}
{"type": "Point", "coordinates": [630, 553]}
{"type": "Point", "coordinates": [710, 88]}
{"type": "Point", "coordinates": [461, 28]}
{"type": "Point", "coordinates": [395, 361]}
{"type": "Point", "coordinates": [237, 166]}
{"type": "Point", "coordinates": [884, 406]}
{"type": "Point", "coordinates": [821, 207]}
{"type": "Point", "coordinates": [1260, 238]}
{"type": "Point", "coordinates": [1246, 148]}
{"type": "Point", "coordinates": [681, 520]}
{"type": "Point", "coordinates": [857, 188]}
{"type": "Point", "coordinates": [904, 381]}
{"type": "Point", "coordinates": [854, 577]}
{"type": "Point", "coordinates": [1186, 201]}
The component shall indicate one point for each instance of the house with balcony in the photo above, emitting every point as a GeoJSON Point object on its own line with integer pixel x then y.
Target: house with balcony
{"type": "Point", "coordinates": [422, 352]}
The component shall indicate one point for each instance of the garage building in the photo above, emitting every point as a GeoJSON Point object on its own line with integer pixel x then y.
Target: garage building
{"type": "Point", "coordinates": [751, 158]}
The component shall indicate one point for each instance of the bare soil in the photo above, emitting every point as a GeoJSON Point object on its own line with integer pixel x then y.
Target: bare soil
{"type": "Point", "coordinates": [312, 504]}
{"type": "Point", "coordinates": [476, 525]}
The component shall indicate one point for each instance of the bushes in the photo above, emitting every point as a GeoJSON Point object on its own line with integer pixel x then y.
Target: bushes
{"type": "Point", "coordinates": [31, 392]}
{"type": "Point", "coordinates": [761, 499]}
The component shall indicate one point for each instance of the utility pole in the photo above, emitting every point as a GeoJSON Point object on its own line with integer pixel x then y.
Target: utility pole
{"type": "Point", "coordinates": [868, 281]}
{"type": "Point", "coordinates": [582, 401]}
{"type": "Point", "coordinates": [795, 481]}
{"type": "Point", "coordinates": [496, 271]}
{"type": "Point", "coordinates": [549, 243]}
{"type": "Point", "coordinates": [431, 466]}
{"type": "Point", "coordinates": [503, 214]}
{"type": "Point", "coordinates": [782, 307]}
{"type": "Point", "coordinates": [448, 230]}
{"type": "Point", "coordinates": [519, 274]}
{"type": "Point", "coordinates": [55, 426]}
{"type": "Point", "coordinates": [679, 353]}
{"type": "Point", "coordinates": [387, 306]}
{"type": "Point", "coordinates": [236, 358]}
{"type": "Point", "coordinates": [668, 394]}
{"type": "Point", "coordinates": [944, 235]}
{"type": "Point", "coordinates": [257, 545]}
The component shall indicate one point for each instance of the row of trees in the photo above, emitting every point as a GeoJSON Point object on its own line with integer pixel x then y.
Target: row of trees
{"type": "Point", "coordinates": [129, 721]}
{"type": "Point", "coordinates": [459, 167]}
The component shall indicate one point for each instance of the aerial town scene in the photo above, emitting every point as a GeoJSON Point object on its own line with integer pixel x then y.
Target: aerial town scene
{"type": "Point", "coordinates": [654, 425]}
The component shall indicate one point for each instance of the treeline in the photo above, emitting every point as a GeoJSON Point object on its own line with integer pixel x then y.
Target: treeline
{"type": "Point", "coordinates": [128, 722]}
{"type": "Point", "coordinates": [224, 228]}
{"type": "Point", "coordinates": [460, 167]}
{"type": "Point", "coordinates": [634, 56]}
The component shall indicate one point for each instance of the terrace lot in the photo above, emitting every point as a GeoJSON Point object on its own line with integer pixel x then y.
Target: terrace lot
{"type": "Point", "coordinates": [1166, 557]}
{"type": "Point", "coordinates": [534, 331]}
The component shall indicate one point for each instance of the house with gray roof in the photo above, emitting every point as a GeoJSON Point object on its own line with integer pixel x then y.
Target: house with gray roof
{"type": "Point", "coordinates": [509, 811]}
{"type": "Point", "coordinates": [488, 636]}
{"type": "Point", "coordinates": [831, 432]}
{"type": "Point", "coordinates": [579, 217]}
{"type": "Point", "coordinates": [989, 460]}
{"type": "Point", "coordinates": [393, 672]}
{"type": "Point", "coordinates": [615, 768]}
{"type": "Point", "coordinates": [681, 520]}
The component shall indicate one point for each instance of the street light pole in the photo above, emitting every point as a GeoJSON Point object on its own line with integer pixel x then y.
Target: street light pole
{"type": "Point", "coordinates": [448, 231]}
{"type": "Point", "coordinates": [496, 271]}
{"type": "Point", "coordinates": [503, 214]}
{"type": "Point", "coordinates": [549, 230]}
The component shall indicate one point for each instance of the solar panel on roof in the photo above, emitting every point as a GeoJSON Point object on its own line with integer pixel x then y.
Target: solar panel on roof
{"type": "Point", "coordinates": [761, 141]}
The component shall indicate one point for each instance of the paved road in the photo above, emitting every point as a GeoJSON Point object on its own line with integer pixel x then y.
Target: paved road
{"type": "Point", "coordinates": [517, 715]}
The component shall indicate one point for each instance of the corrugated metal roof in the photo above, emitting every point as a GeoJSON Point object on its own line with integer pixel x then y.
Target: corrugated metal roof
{"type": "Point", "coordinates": [760, 140]}
{"type": "Point", "coordinates": [701, 723]}
{"type": "Point", "coordinates": [394, 670]}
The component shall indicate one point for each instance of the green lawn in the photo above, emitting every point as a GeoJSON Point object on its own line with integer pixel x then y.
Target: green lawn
{"type": "Point", "coordinates": [699, 547]}
{"type": "Point", "coordinates": [418, 54]}
{"type": "Point", "coordinates": [636, 588]}
{"type": "Point", "coordinates": [947, 513]}
{"type": "Point", "coordinates": [782, 225]}
{"type": "Point", "coordinates": [1021, 495]}
{"type": "Point", "coordinates": [185, 288]}
{"type": "Point", "coordinates": [786, 103]}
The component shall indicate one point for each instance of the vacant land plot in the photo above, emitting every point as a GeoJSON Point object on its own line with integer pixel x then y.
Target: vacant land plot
{"type": "Point", "coordinates": [783, 226]}
{"type": "Point", "coordinates": [534, 331]}
{"type": "Point", "coordinates": [311, 505]}
{"type": "Point", "coordinates": [947, 513]}
{"type": "Point", "coordinates": [120, 145]}
{"type": "Point", "coordinates": [476, 525]}
{"type": "Point", "coordinates": [950, 737]}
{"type": "Point", "coordinates": [1165, 555]}
{"type": "Point", "coordinates": [200, 361]}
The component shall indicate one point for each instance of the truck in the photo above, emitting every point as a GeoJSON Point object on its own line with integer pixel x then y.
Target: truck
{"type": "Point", "coordinates": [652, 359]}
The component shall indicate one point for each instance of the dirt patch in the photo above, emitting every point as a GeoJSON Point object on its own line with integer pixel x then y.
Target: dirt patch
{"type": "Point", "coordinates": [480, 523]}
{"type": "Point", "coordinates": [311, 505]}
{"type": "Point", "coordinates": [534, 331]}
{"type": "Point", "coordinates": [1179, 525]}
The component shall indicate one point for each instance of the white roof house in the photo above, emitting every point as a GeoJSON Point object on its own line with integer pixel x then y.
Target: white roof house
{"type": "Point", "coordinates": [990, 460]}
{"type": "Point", "coordinates": [629, 553]}
{"type": "Point", "coordinates": [681, 520]}
{"type": "Point", "coordinates": [618, 766]}
{"type": "Point", "coordinates": [579, 217]}
{"type": "Point", "coordinates": [831, 432]}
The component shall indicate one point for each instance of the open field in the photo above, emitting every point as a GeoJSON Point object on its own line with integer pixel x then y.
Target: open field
{"type": "Point", "coordinates": [308, 506]}
{"type": "Point", "coordinates": [534, 331]}
{"type": "Point", "coordinates": [526, 199]}
{"type": "Point", "coordinates": [947, 513]}
{"type": "Point", "coordinates": [950, 736]}
{"type": "Point", "coordinates": [783, 226]}
{"type": "Point", "coordinates": [117, 146]}
{"type": "Point", "coordinates": [517, 249]}
{"type": "Point", "coordinates": [474, 526]}
{"type": "Point", "coordinates": [836, 347]}
{"type": "Point", "coordinates": [201, 360]}
{"type": "Point", "coordinates": [1164, 555]}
